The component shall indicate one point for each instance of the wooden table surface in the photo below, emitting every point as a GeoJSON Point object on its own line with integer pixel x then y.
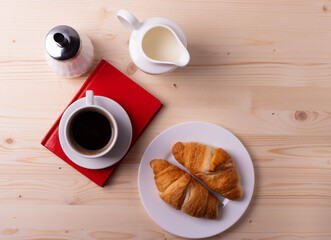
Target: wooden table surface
{"type": "Point", "coordinates": [261, 69]}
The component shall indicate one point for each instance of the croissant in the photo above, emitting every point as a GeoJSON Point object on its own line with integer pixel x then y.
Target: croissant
{"type": "Point", "coordinates": [181, 191]}
{"type": "Point", "coordinates": [212, 165]}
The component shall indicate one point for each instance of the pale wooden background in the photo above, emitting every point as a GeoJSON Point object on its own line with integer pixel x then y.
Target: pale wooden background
{"type": "Point", "coordinates": [261, 69]}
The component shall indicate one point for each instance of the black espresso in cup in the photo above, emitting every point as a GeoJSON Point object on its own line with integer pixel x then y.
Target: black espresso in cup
{"type": "Point", "coordinates": [90, 131]}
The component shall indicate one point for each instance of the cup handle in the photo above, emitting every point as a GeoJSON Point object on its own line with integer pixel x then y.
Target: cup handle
{"type": "Point", "coordinates": [89, 97]}
{"type": "Point", "coordinates": [129, 21]}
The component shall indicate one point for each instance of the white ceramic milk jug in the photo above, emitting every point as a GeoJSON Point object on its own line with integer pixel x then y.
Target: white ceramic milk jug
{"type": "Point", "coordinates": [157, 45]}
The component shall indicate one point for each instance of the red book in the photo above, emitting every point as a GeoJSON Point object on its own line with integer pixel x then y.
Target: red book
{"type": "Point", "coordinates": [109, 82]}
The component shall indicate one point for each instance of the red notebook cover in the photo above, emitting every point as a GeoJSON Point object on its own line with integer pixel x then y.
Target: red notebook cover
{"type": "Point", "coordinates": [107, 81]}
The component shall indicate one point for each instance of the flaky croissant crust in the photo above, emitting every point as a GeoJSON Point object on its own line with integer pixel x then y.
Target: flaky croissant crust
{"type": "Point", "coordinates": [182, 191]}
{"type": "Point", "coordinates": [212, 165]}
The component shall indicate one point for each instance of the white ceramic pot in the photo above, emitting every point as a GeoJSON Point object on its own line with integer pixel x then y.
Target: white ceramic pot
{"type": "Point", "coordinates": [157, 45]}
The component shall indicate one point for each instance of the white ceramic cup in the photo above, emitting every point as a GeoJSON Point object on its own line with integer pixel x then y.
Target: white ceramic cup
{"type": "Point", "coordinates": [90, 106]}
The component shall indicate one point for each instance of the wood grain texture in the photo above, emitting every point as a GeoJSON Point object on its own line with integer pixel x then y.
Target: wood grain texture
{"type": "Point", "coordinates": [261, 69]}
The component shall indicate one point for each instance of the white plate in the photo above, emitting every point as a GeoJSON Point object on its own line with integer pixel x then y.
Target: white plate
{"type": "Point", "coordinates": [124, 137]}
{"type": "Point", "coordinates": [175, 221]}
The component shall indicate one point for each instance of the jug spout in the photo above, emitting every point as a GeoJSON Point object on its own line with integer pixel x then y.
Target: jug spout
{"type": "Point", "coordinates": [184, 57]}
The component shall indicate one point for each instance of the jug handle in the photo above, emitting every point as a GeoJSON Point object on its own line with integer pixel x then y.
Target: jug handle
{"type": "Point", "coordinates": [129, 21]}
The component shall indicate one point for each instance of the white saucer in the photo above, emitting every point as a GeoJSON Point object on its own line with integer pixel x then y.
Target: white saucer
{"type": "Point", "coordinates": [175, 221]}
{"type": "Point", "coordinates": [123, 142]}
